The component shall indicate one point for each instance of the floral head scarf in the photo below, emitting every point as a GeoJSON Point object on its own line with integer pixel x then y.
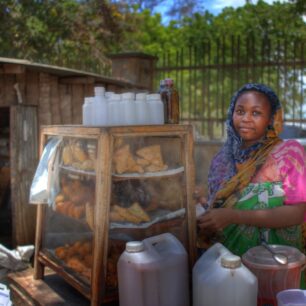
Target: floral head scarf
{"type": "Point", "coordinates": [223, 167]}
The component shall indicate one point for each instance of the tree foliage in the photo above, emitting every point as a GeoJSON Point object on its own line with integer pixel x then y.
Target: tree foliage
{"type": "Point", "coordinates": [63, 31]}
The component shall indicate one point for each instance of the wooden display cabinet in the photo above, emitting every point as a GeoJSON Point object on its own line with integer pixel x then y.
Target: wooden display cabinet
{"type": "Point", "coordinates": [107, 186]}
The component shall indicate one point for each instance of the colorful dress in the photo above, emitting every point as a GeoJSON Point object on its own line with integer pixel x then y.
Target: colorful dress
{"type": "Point", "coordinates": [280, 181]}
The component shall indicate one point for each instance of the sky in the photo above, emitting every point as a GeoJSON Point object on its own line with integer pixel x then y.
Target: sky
{"type": "Point", "coordinates": [216, 6]}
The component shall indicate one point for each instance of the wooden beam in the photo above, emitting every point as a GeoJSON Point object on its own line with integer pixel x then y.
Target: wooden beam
{"type": "Point", "coordinates": [77, 80]}
{"type": "Point", "coordinates": [12, 69]}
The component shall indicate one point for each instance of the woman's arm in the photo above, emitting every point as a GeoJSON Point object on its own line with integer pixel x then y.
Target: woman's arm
{"type": "Point", "coordinates": [284, 216]}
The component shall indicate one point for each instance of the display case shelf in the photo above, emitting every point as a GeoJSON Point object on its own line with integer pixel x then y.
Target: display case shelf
{"type": "Point", "coordinates": [77, 171]}
{"type": "Point", "coordinates": [133, 176]}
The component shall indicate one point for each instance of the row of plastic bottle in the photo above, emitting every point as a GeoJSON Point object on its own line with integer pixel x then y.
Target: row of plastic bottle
{"type": "Point", "coordinates": [111, 109]}
{"type": "Point", "coordinates": [154, 272]}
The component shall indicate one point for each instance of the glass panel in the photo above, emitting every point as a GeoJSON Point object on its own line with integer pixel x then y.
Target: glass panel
{"type": "Point", "coordinates": [148, 192]}
{"type": "Point", "coordinates": [69, 223]}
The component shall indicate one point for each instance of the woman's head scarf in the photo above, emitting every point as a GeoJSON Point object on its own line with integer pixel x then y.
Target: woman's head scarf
{"type": "Point", "coordinates": [224, 167]}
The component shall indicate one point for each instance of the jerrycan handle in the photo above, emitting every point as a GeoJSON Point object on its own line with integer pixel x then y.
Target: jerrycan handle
{"type": "Point", "coordinates": [164, 242]}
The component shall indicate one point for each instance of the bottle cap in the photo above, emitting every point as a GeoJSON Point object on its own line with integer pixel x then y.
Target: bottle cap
{"type": "Point", "coordinates": [99, 91]}
{"type": "Point", "coordinates": [168, 82]}
{"type": "Point", "coordinates": [134, 246]}
{"type": "Point", "coordinates": [153, 97]}
{"type": "Point", "coordinates": [141, 96]}
{"type": "Point", "coordinates": [128, 96]}
{"type": "Point", "coordinates": [230, 261]}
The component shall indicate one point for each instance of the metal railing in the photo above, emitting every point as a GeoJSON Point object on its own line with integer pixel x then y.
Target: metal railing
{"type": "Point", "coordinates": [207, 76]}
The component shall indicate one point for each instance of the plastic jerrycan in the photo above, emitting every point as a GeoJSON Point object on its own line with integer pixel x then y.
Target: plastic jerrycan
{"type": "Point", "coordinates": [209, 260]}
{"type": "Point", "coordinates": [154, 272]}
{"type": "Point", "coordinates": [220, 279]}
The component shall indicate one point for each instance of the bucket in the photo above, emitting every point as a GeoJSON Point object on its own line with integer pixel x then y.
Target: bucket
{"type": "Point", "coordinates": [272, 276]}
{"type": "Point", "coordinates": [291, 297]}
{"type": "Point", "coordinates": [154, 272]}
{"type": "Point", "coordinates": [219, 279]}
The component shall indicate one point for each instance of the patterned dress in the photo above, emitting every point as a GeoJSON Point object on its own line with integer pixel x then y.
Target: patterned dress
{"type": "Point", "coordinates": [280, 181]}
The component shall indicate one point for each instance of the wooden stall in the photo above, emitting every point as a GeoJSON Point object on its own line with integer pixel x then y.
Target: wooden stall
{"type": "Point", "coordinates": [32, 95]}
{"type": "Point", "coordinates": [109, 186]}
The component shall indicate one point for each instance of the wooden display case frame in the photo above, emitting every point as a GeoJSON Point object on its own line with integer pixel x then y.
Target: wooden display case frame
{"type": "Point", "coordinates": [105, 138]}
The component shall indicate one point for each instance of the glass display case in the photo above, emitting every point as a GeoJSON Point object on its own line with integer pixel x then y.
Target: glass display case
{"type": "Point", "coordinates": [98, 188]}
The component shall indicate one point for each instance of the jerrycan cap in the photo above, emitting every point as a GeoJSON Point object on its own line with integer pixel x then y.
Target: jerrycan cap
{"type": "Point", "coordinates": [230, 261]}
{"type": "Point", "coordinates": [134, 246]}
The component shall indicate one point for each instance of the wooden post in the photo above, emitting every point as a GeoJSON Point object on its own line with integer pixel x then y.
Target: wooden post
{"type": "Point", "coordinates": [24, 158]}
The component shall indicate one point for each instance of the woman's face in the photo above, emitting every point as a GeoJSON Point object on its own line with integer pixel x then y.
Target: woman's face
{"type": "Point", "coordinates": [252, 115]}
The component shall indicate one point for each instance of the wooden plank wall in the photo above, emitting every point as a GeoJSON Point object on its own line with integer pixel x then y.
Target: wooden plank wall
{"type": "Point", "coordinates": [58, 99]}
{"type": "Point", "coordinates": [51, 99]}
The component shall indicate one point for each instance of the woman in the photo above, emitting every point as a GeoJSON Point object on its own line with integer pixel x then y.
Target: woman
{"type": "Point", "coordinates": [257, 182]}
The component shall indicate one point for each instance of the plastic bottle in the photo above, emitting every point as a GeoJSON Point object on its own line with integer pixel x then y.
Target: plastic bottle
{"type": "Point", "coordinates": [114, 109]}
{"type": "Point", "coordinates": [154, 272]}
{"type": "Point", "coordinates": [173, 103]}
{"type": "Point", "coordinates": [219, 278]}
{"type": "Point", "coordinates": [100, 113]}
{"type": "Point", "coordinates": [87, 110]}
{"type": "Point", "coordinates": [128, 108]}
{"type": "Point", "coordinates": [156, 109]}
{"type": "Point", "coordinates": [142, 108]}
{"type": "Point", "coordinates": [108, 94]}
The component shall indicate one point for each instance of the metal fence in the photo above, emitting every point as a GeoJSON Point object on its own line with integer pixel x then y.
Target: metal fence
{"type": "Point", "coordinates": [207, 76]}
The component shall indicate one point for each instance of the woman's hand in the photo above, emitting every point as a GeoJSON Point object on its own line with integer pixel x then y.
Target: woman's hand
{"type": "Point", "coordinates": [216, 219]}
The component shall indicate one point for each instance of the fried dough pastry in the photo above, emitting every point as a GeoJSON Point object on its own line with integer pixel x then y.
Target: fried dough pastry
{"type": "Point", "coordinates": [67, 155]}
{"type": "Point", "coordinates": [133, 214]}
{"type": "Point", "coordinates": [123, 161]}
{"type": "Point", "coordinates": [151, 158]}
{"type": "Point", "coordinates": [79, 155]}
{"type": "Point", "coordinates": [137, 210]}
{"type": "Point", "coordinates": [126, 215]}
{"type": "Point", "coordinates": [150, 153]}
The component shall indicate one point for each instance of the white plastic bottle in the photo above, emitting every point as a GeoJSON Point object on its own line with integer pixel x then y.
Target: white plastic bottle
{"type": "Point", "coordinates": [156, 109]}
{"type": "Point", "coordinates": [142, 108]}
{"type": "Point", "coordinates": [154, 272]}
{"type": "Point", "coordinates": [100, 107]}
{"type": "Point", "coordinates": [114, 113]}
{"type": "Point", "coordinates": [108, 94]}
{"type": "Point", "coordinates": [87, 111]}
{"type": "Point", "coordinates": [128, 108]}
{"type": "Point", "coordinates": [219, 279]}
